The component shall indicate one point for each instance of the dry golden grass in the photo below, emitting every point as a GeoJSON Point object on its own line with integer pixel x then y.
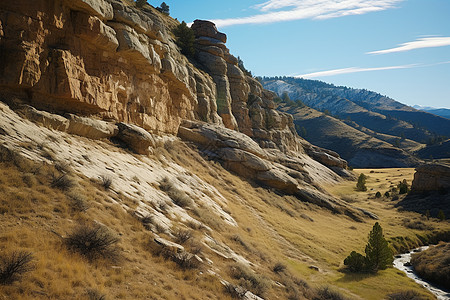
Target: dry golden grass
{"type": "Point", "coordinates": [272, 229]}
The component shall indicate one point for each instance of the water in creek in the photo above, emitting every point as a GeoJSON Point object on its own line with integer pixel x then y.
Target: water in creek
{"type": "Point", "coordinates": [402, 262]}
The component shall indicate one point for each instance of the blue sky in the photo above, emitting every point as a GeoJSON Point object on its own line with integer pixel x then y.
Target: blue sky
{"type": "Point", "coordinates": [399, 48]}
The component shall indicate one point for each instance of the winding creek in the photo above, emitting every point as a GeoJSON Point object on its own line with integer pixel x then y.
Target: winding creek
{"type": "Point", "coordinates": [402, 261]}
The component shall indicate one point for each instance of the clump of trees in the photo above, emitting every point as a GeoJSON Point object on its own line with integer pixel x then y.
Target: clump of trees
{"type": "Point", "coordinates": [185, 39]}
{"type": "Point", "coordinates": [361, 184]}
{"type": "Point", "coordinates": [403, 187]}
{"type": "Point", "coordinates": [378, 254]}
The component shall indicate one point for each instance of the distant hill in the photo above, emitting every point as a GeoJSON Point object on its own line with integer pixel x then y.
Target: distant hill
{"type": "Point", "coordinates": [443, 112]}
{"type": "Point", "coordinates": [436, 151]}
{"type": "Point", "coordinates": [371, 110]}
{"type": "Point", "coordinates": [362, 148]}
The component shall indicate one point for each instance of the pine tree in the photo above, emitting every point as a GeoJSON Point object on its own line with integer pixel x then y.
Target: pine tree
{"type": "Point", "coordinates": [164, 8]}
{"type": "Point", "coordinates": [361, 185]}
{"type": "Point", "coordinates": [185, 39]}
{"type": "Point", "coordinates": [441, 215]}
{"type": "Point", "coordinates": [378, 254]}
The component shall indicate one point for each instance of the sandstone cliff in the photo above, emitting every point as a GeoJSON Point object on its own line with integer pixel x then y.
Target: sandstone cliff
{"type": "Point", "coordinates": [108, 66]}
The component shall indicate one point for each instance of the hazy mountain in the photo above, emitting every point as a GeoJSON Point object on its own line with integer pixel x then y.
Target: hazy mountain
{"type": "Point", "coordinates": [443, 112]}
{"type": "Point", "coordinates": [368, 109]}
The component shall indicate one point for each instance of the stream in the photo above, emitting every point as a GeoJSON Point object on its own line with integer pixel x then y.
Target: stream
{"type": "Point", "coordinates": [402, 259]}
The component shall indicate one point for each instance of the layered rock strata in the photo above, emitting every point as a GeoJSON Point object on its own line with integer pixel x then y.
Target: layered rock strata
{"type": "Point", "coordinates": [101, 58]}
{"type": "Point", "coordinates": [114, 71]}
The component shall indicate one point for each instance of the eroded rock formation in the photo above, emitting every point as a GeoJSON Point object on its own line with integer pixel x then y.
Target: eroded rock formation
{"type": "Point", "coordinates": [115, 71]}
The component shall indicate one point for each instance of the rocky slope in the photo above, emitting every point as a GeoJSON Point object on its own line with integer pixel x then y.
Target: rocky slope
{"type": "Point", "coordinates": [110, 61]}
{"type": "Point", "coordinates": [368, 109]}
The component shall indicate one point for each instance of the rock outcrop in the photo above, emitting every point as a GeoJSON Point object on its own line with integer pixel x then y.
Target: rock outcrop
{"type": "Point", "coordinates": [113, 70]}
{"type": "Point", "coordinates": [431, 178]}
{"type": "Point", "coordinates": [240, 154]}
{"type": "Point", "coordinates": [101, 58]}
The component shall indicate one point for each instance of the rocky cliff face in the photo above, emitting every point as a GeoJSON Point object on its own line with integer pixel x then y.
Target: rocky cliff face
{"type": "Point", "coordinates": [108, 60]}
{"type": "Point", "coordinates": [101, 58]}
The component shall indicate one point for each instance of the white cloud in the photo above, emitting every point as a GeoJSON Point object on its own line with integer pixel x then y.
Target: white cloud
{"type": "Point", "coordinates": [289, 10]}
{"type": "Point", "coordinates": [426, 42]}
{"type": "Point", "coordinates": [352, 70]}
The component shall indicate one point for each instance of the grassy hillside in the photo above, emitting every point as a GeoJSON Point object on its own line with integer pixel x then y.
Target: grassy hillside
{"type": "Point", "coordinates": [39, 212]}
{"type": "Point", "coordinates": [361, 148]}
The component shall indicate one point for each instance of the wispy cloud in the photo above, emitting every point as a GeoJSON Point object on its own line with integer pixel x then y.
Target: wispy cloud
{"type": "Point", "coordinates": [288, 10]}
{"type": "Point", "coordinates": [352, 70]}
{"type": "Point", "coordinates": [427, 42]}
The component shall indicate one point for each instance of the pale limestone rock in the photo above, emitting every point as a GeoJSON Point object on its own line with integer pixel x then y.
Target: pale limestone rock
{"type": "Point", "coordinates": [93, 30]}
{"type": "Point", "coordinates": [99, 8]}
{"type": "Point", "coordinates": [43, 118]}
{"type": "Point", "coordinates": [138, 139]}
{"type": "Point", "coordinates": [90, 128]}
{"type": "Point", "coordinates": [168, 245]}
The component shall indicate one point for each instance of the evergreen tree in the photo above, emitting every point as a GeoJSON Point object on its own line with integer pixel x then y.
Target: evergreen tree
{"type": "Point", "coordinates": [441, 215]}
{"type": "Point", "coordinates": [164, 8]}
{"type": "Point", "coordinates": [185, 39]}
{"type": "Point", "coordinates": [242, 67]}
{"type": "Point", "coordinates": [361, 185]}
{"type": "Point", "coordinates": [378, 254]}
{"type": "Point", "coordinates": [427, 214]}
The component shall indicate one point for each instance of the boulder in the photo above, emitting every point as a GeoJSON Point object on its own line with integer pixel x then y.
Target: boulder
{"type": "Point", "coordinates": [43, 118]}
{"type": "Point", "coordinates": [168, 245]}
{"type": "Point", "coordinates": [137, 138]}
{"type": "Point", "coordinates": [90, 128]}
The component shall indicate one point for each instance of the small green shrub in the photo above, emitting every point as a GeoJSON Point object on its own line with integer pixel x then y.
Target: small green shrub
{"type": "Point", "coordinates": [356, 262]}
{"type": "Point", "coordinates": [403, 187]}
{"type": "Point", "coordinates": [387, 195]}
{"type": "Point", "coordinates": [441, 215]}
{"type": "Point", "coordinates": [378, 195]}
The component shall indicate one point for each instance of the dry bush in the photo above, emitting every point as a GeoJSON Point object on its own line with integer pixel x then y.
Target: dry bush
{"type": "Point", "coordinates": [13, 266]}
{"type": "Point", "coordinates": [405, 295]}
{"type": "Point", "coordinates": [62, 182]}
{"type": "Point", "coordinates": [235, 291]}
{"type": "Point", "coordinates": [105, 181]}
{"type": "Point", "coordinates": [279, 267]}
{"type": "Point", "coordinates": [93, 294]}
{"type": "Point", "coordinates": [434, 264]}
{"type": "Point", "coordinates": [258, 284]}
{"type": "Point", "coordinates": [296, 288]}
{"type": "Point", "coordinates": [78, 200]}
{"type": "Point", "coordinates": [326, 293]}
{"type": "Point", "coordinates": [182, 236]}
{"type": "Point", "coordinates": [237, 238]}
{"type": "Point", "coordinates": [419, 225]}
{"type": "Point", "coordinates": [94, 242]}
